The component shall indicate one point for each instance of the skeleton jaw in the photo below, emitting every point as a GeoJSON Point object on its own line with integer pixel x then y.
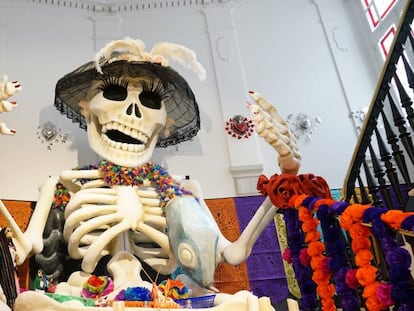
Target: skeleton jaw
{"type": "Point", "coordinates": [121, 144]}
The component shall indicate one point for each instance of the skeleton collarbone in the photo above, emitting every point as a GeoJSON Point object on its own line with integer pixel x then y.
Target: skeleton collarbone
{"type": "Point", "coordinates": [102, 220]}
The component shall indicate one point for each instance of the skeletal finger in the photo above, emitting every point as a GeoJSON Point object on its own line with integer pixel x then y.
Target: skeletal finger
{"type": "Point", "coordinates": [12, 87]}
{"type": "Point", "coordinates": [5, 130]}
{"type": "Point", "coordinates": [6, 106]}
{"type": "Point", "coordinates": [258, 98]}
{"type": "Point", "coordinates": [266, 106]}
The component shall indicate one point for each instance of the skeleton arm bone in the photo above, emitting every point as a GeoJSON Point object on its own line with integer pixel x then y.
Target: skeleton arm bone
{"type": "Point", "coordinates": [274, 129]}
{"type": "Point", "coordinates": [31, 241]}
{"type": "Point", "coordinates": [239, 250]}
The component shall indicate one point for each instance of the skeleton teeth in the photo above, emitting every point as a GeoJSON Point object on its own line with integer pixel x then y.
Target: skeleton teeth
{"type": "Point", "coordinates": [142, 137]}
{"type": "Point", "coordinates": [127, 131]}
{"type": "Point", "coordinates": [139, 148]}
{"type": "Point", "coordinates": [134, 133]}
{"type": "Point", "coordinates": [121, 128]}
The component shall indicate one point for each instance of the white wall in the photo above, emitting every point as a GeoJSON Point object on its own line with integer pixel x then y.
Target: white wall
{"type": "Point", "coordinates": [304, 56]}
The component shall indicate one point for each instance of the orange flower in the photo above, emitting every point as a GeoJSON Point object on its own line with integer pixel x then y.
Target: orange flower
{"type": "Point", "coordinates": [363, 257]}
{"type": "Point", "coordinates": [370, 290]}
{"type": "Point", "coordinates": [359, 231]}
{"type": "Point", "coordinates": [297, 199]}
{"type": "Point", "coordinates": [326, 291]}
{"type": "Point", "coordinates": [310, 225]}
{"type": "Point", "coordinates": [319, 276]}
{"type": "Point", "coordinates": [361, 243]}
{"type": "Point", "coordinates": [315, 248]}
{"type": "Point", "coordinates": [394, 218]}
{"type": "Point", "coordinates": [346, 220]}
{"type": "Point", "coordinates": [312, 236]}
{"type": "Point", "coordinates": [317, 262]}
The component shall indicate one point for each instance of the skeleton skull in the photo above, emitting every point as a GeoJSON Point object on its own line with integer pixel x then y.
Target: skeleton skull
{"type": "Point", "coordinates": [124, 119]}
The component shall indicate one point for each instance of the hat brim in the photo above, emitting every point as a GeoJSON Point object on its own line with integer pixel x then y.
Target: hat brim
{"type": "Point", "coordinates": [181, 105]}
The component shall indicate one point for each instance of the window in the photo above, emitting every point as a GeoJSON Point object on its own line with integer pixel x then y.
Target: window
{"type": "Point", "coordinates": [377, 10]}
{"type": "Point", "coordinates": [386, 41]}
{"type": "Point", "coordinates": [383, 30]}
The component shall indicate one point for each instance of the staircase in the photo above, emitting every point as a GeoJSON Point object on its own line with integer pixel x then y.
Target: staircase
{"type": "Point", "coordinates": [381, 169]}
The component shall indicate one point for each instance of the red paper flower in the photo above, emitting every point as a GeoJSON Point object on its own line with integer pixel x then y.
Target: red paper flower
{"type": "Point", "coordinates": [281, 188]}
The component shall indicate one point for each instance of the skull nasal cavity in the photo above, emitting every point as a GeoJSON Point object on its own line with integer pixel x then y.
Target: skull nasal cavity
{"type": "Point", "coordinates": [133, 108]}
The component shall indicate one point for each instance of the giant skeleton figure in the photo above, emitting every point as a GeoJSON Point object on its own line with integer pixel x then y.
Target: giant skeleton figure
{"type": "Point", "coordinates": [131, 101]}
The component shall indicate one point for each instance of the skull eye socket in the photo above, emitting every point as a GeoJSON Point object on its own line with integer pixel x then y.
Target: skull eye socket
{"type": "Point", "coordinates": [114, 88]}
{"type": "Point", "coordinates": [153, 93]}
{"type": "Point", "coordinates": [150, 99]}
{"type": "Point", "coordinates": [115, 92]}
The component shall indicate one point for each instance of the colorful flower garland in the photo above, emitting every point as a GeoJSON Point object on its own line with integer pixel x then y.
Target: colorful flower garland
{"type": "Point", "coordinates": [366, 274]}
{"type": "Point", "coordinates": [303, 272]}
{"type": "Point", "coordinates": [319, 263]}
{"type": "Point", "coordinates": [164, 184]}
{"type": "Point", "coordinates": [398, 261]}
{"type": "Point", "coordinates": [113, 175]}
{"type": "Point", "coordinates": [328, 258]}
{"type": "Point", "coordinates": [333, 238]}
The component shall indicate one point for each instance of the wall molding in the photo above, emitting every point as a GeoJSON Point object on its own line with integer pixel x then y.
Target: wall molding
{"type": "Point", "coordinates": [111, 7]}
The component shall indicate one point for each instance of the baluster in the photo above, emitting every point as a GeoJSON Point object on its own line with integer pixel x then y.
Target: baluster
{"type": "Point", "coordinates": [379, 174]}
{"type": "Point", "coordinates": [408, 71]}
{"type": "Point", "coordinates": [389, 168]}
{"type": "Point", "coordinates": [372, 186]}
{"type": "Point", "coordinates": [411, 38]}
{"type": "Point", "coordinates": [399, 122]}
{"type": "Point", "coordinates": [365, 199]}
{"type": "Point", "coordinates": [353, 197]}
{"type": "Point", "coordinates": [405, 101]}
{"type": "Point", "coordinates": [397, 153]}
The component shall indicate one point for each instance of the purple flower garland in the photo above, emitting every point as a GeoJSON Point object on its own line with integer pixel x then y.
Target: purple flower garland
{"type": "Point", "coordinates": [335, 250]}
{"type": "Point", "coordinates": [303, 273]}
{"type": "Point", "coordinates": [398, 260]}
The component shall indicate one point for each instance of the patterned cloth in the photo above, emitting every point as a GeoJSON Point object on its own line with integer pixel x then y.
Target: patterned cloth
{"type": "Point", "coordinates": [263, 272]}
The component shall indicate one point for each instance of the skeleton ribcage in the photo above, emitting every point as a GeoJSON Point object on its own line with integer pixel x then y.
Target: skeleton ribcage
{"type": "Point", "coordinates": [101, 220]}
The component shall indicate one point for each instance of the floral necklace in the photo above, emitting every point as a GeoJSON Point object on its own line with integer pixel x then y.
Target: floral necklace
{"type": "Point", "coordinates": [164, 184]}
{"type": "Point", "coordinates": [113, 175]}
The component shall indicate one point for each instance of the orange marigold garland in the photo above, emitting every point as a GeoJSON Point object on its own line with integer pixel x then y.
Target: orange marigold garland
{"type": "Point", "coordinates": [366, 273]}
{"type": "Point", "coordinates": [319, 263]}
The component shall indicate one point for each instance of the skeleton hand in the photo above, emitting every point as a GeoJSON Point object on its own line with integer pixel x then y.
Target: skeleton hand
{"type": "Point", "coordinates": [7, 89]}
{"type": "Point", "coordinates": [274, 129]}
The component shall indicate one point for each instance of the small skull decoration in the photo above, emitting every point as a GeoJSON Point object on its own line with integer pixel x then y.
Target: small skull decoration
{"type": "Point", "coordinates": [239, 127]}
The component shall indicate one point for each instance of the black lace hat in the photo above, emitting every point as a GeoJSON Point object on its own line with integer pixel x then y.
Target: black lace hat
{"type": "Point", "coordinates": [125, 58]}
